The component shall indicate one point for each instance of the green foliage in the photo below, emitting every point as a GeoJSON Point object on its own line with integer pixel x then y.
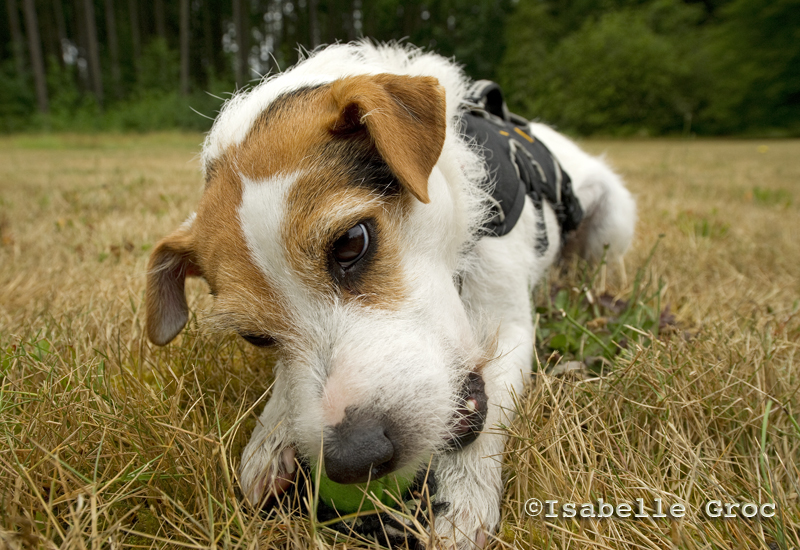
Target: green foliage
{"type": "Point", "coordinates": [625, 72]}
{"type": "Point", "coordinates": [772, 197]}
{"type": "Point", "coordinates": [618, 67]}
{"type": "Point", "coordinates": [163, 110]}
{"type": "Point", "coordinates": [656, 67]}
{"type": "Point", "coordinates": [702, 225]}
{"type": "Point", "coordinates": [154, 105]}
{"type": "Point", "coordinates": [472, 32]}
{"type": "Point", "coordinates": [582, 324]}
{"type": "Point", "coordinates": [70, 109]}
{"type": "Point", "coordinates": [755, 64]}
{"type": "Point", "coordinates": [16, 99]}
{"type": "Point", "coordinates": [159, 68]}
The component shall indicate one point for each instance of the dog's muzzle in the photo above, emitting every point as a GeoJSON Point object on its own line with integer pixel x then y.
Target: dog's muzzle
{"type": "Point", "coordinates": [359, 448]}
{"type": "Point", "coordinates": [471, 414]}
{"type": "Point", "coordinates": [363, 447]}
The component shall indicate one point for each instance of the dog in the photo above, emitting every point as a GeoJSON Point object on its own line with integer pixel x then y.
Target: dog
{"type": "Point", "coordinates": [343, 224]}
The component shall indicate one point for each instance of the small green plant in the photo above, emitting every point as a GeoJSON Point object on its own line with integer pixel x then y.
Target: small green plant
{"type": "Point", "coordinates": [772, 197]}
{"type": "Point", "coordinates": [700, 225]}
{"type": "Point", "coordinates": [579, 323]}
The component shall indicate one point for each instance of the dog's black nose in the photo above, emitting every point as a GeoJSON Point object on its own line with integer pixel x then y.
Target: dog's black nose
{"type": "Point", "coordinates": [356, 451]}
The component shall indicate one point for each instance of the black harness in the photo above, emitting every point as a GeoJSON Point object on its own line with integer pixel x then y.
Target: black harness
{"type": "Point", "coordinates": [519, 164]}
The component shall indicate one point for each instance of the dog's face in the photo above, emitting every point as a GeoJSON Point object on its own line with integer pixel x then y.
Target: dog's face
{"type": "Point", "coordinates": [329, 233]}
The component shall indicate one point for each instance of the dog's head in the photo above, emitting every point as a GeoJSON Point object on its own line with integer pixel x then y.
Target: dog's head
{"type": "Point", "coordinates": [331, 233]}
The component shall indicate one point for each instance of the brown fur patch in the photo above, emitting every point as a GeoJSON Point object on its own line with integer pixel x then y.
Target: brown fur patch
{"type": "Point", "coordinates": [172, 260]}
{"type": "Point", "coordinates": [314, 220]}
{"type": "Point", "coordinates": [355, 143]}
{"type": "Point", "coordinates": [405, 118]}
{"type": "Point", "coordinates": [381, 129]}
{"type": "Point", "coordinates": [245, 299]}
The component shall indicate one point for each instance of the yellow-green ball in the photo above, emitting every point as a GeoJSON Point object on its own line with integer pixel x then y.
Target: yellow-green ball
{"type": "Point", "coordinates": [348, 499]}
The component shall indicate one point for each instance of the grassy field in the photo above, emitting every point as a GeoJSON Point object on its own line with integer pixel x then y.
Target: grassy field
{"type": "Point", "coordinates": [109, 442]}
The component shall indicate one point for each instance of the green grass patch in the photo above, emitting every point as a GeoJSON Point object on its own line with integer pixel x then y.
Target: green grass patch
{"type": "Point", "coordinates": [581, 322]}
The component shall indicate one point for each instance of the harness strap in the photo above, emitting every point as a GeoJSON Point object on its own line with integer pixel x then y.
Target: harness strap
{"type": "Point", "coordinates": [519, 164]}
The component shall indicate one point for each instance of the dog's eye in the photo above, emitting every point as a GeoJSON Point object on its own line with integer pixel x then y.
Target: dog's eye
{"type": "Point", "coordinates": [351, 247]}
{"type": "Point", "coordinates": [262, 341]}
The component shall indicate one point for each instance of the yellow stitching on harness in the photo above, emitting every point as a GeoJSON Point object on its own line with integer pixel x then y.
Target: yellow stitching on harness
{"type": "Point", "coordinates": [523, 134]}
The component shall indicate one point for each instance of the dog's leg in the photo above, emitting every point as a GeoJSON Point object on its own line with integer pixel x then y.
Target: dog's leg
{"type": "Point", "coordinates": [498, 290]}
{"type": "Point", "coordinates": [268, 461]}
{"type": "Point", "coordinates": [470, 480]}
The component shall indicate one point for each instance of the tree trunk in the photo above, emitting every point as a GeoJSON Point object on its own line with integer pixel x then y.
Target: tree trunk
{"type": "Point", "coordinates": [358, 22]}
{"type": "Point", "coordinates": [61, 25]}
{"type": "Point", "coordinates": [410, 13]}
{"type": "Point", "coordinates": [93, 50]}
{"type": "Point", "coordinates": [348, 21]}
{"type": "Point", "coordinates": [48, 32]}
{"type": "Point", "coordinates": [276, 29]}
{"type": "Point", "coordinates": [35, 49]}
{"type": "Point", "coordinates": [17, 42]}
{"type": "Point", "coordinates": [136, 33]}
{"type": "Point", "coordinates": [332, 21]}
{"type": "Point", "coordinates": [161, 20]}
{"type": "Point", "coordinates": [184, 47]}
{"type": "Point", "coordinates": [82, 43]}
{"type": "Point", "coordinates": [242, 28]}
{"type": "Point", "coordinates": [113, 47]}
{"type": "Point", "coordinates": [313, 23]}
{"type": "Point", "coordinates": [209, 67]}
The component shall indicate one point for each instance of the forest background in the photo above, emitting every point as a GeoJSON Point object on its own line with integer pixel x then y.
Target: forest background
{"type": "Point", "coordinates": [608, 67]}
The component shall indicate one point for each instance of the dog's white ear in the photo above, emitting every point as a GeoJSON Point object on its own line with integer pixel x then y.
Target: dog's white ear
{"type": "Point", "coordinates": [173, 260]}
{"type": "Point", "coordinates": [405, 118]}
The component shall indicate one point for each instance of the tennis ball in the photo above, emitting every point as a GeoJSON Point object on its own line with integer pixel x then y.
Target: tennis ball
{"type": "Point", "coordinates": [348, 499]}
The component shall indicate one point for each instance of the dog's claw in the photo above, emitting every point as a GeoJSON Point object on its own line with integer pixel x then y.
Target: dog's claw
{"type": "Point", "coordinates": [261, 485]}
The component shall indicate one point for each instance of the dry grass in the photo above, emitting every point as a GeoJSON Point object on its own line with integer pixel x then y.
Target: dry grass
{"type": "Point", "coordinates": [110, 442]}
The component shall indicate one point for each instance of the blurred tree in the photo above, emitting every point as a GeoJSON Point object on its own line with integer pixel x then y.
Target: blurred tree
{"type": "Point", "coordinates": [240, 16]}
{"type": "Point", "coordinates": [184, 39]}
{"type": "Point", "coordinates": [627, 71]}
{"type": "Point", "coordinates": [313, 23]}
{"type": "Point", "coordinates": [590, 66]}
{"type": "Point", "coordinates": [93, 49]}
{"type": "Point", "coordinates": [755, 63]}
{"type": "Point", "coordinates": [136, 32]}
{"type": "Point", "coordinates": [35, 50]}
{"type": "Point", "coordinates": [113, 47]}
{"type": "Point", "coordinates": [61, 29]}
{"type": "Point", "coordinates": [160, 19]}
{"type": "Point", "coordinates": [17, 42]}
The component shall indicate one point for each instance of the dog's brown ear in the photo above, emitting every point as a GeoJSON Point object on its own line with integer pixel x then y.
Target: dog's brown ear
{"type": "Point", "coordinates": [405, 118]}
{"type": "Point", "coordinates": [173, 260]}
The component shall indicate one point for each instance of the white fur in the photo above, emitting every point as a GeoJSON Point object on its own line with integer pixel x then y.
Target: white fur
{"type": "Point", "coordinates": [324, 66]}
{"type": "Point", "coordinates": [408, 362]}
{"type": "Point", "coordinates": [609, 208]}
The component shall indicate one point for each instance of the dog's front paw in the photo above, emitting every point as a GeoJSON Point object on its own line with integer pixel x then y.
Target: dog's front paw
{"type": "Point", "coordinates": [467, 524]}
{"type": "Point", "coordinates": [472, 512]}
{"type": "Point", "coordinates": [267, 469]}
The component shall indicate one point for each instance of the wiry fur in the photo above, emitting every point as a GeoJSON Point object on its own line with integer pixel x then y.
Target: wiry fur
{"type": "Point", "coordinates": [403, 356]}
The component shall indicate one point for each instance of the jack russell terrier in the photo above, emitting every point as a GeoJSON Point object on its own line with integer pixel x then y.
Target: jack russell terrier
{"type": "Point", "coordinates": [380, 221]}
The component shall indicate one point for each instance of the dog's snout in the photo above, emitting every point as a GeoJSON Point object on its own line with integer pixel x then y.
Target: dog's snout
{"type": "Point", "coordinates": [356, 451]}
